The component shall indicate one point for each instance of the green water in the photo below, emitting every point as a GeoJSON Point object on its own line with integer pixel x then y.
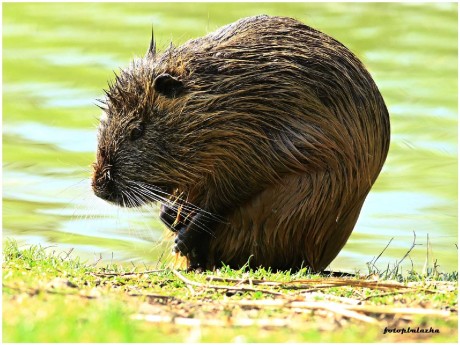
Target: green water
{"type": "Point", "coordinates": [57, 58]}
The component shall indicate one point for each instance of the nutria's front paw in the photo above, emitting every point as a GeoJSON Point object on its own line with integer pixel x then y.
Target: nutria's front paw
{"type": "Point", "coordinates": [192, 241]}
{"type": "Point", "coordinates": [187, 243]}
{"type": "Point", "coordinates": [184, 241]}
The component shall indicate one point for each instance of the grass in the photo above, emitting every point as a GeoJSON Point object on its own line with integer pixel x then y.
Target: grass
{"type": "Point", "coordinates": [53, 297]}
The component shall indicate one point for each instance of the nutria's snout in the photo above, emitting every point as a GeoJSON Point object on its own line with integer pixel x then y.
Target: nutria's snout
{"type": "Point", "coordinates": [109, 186]}
{"type": "Point", "coordinates": [104, 185]}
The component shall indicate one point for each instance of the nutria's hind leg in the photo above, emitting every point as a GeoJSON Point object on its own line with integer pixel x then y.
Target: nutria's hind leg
{"type": "Point", "coordinates": [303, 221]}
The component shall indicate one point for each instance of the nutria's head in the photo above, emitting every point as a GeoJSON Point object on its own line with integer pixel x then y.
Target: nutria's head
{"type": "Point", "coordinates": [138, 146]}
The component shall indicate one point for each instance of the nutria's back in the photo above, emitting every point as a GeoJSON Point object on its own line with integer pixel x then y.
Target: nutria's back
{"type": "Point", "coordinates": [266, 123]}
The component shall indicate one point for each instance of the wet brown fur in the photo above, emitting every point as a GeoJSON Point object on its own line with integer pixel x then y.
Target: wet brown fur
{"type": "Point", "coordinates": [280, 130]}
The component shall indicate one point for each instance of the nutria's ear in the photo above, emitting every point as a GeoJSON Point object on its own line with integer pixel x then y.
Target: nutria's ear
{"type": "Point", "coordinates": [167, 85]}
{"type": "Point", "coordinates": [151, 52]}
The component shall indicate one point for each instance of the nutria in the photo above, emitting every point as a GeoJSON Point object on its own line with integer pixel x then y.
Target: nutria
{"type": "Point", "coordinates": [261, 140]}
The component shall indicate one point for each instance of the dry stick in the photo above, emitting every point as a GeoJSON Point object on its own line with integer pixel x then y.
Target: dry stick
{"type": "Point", "coordinates": [237, 280]}
{"type": "Point", "coordinates": [114, 274]}
{"type": "Point", "coordinates": [397, 310]}
{"type": "Point", "coordinates": [333, 298]}
{"type": "Point", "coordinates": [192, 290]}
{"type": "Point", "coordinates": [239, 322]}
{"type": "Point", "coordinates": [67, 254]}
{"type": "Point", "coordinates": [226, 287]}
{"type": "Point", "coordinates": [382, 295]}
{"type": "Point", "coordinates": [327, 282]}
{"type": "Point", "coordinates": [282, 285]}
{"type": "Point", "coordinates": [338, 309]}
{"type": "Point", "coordinates": [361, 283]}
{"type": "Point", "coordinates": [96, 262]}
{"type": "Point", "coordinates": [425, 268]}
{"type": "Point", "coordinates": [409, 289]}
{"type": "Point", "coordinates": [323, 283]}
{"type": "Point", "coordinates": [333, 306]}
{"type": "Point", "coordinates": [407, 253]}
{"type": "Point", "coordinates": [373, 262]}
{"type": "Point", "coordinates": [36, 291]}
{"type": "Point", "coordinates": [286, 285]}
{"type": "Point", "coordinates": [340, 282]}
{"type": "Point", "coordinates": [29, 291]}
{"type": "Point", "coordinates": [152, 295]}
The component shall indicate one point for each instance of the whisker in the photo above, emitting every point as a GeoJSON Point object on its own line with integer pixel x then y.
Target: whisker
{"type": "Point", "coordinates": [172, 204]}
{"type": "Point", "coordinates": [153, 192]}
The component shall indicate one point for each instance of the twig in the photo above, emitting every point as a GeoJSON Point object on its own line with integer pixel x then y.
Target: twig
{"type": "Point", "coordinates": [338, 309]}
{"type": "Point", "coordinates": [240, 280]}
{"type": "Point", "coordinates": [381, 295]}
{"type": "Point", "coordinates": [373, 262]}
{"type": "Point", "coordinates": [339, 306]}
{"type": "Point", "coordinates": [36, 291]}
{"type": "Point", "coordinates": [406, 311]}
{"type": "Point", "coordinates": [67, 254]}
{"type": "Point", "coordinates": [344, 282]}
{"type": "Point", "coordinates": [29, 291]}
{"type": "Point", "coordinates": [328, 297]}
{"type": "Point", "coordinates": [236, 322]}
{"type": "Point", "coordinates": [191, 289]}
{"type": "Point", "coordinates": [113, 274]}
{"type": "Point", "coordinates": [151, 295]}
{"type": "Point", "coordinates": [407, 253]}
{"type": "Point", "coordinates": [98, 260]}
{"type": "Point", "coordinates": [322, 283]}
{"type": "Point", "coordinates": [283, 285]}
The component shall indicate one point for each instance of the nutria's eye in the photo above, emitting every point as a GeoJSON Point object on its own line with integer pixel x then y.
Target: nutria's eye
{"type": "Point", "coordinates": [136, 132]}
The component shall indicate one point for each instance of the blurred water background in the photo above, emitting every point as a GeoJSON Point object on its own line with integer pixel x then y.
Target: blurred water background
{"type": "Point", "coordinates": [57, 58]}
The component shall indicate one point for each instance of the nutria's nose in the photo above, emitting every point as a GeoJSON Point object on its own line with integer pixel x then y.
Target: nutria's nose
{"type": "Point", "coordinates": [102, 183]}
